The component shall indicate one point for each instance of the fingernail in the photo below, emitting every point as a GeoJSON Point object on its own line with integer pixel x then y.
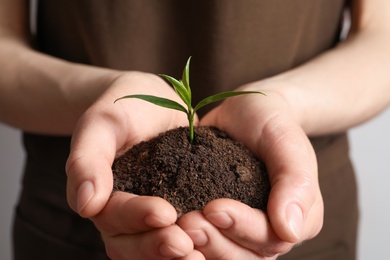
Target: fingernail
{"type": "Point", "coordinates": [220, 219]}
{"type": "Point", "coordinates": [198, 237]}
{"type": "Point", "coordinates": [295, 220]}
{"type": "Point", "coordinates": [84, 195]}
{"type": "Point", "coordinates": [170, 251]}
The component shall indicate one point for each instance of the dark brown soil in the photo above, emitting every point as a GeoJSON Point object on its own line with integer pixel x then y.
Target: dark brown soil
{"type": "Point", "coordinates": [189, 175]}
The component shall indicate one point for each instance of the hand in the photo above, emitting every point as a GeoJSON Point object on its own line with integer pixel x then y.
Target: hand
{"type": "Point", "coordinates": [136, 226]}
{"type": "Point", "coordinates": [231, 230]}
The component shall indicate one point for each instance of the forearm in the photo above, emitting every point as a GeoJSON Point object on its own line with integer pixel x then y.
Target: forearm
{"type": "Point", "coordinates": [40, 93]}
{"type": "Point", "coordinates": [341, 88]}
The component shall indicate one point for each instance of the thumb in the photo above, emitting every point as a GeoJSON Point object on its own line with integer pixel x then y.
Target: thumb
{"type": "Point", "coordinates": [295, 205]}
{"type": "Point", "coordinates": [88, 168]}
{"type": "Point", "coordinates": [295, 209]}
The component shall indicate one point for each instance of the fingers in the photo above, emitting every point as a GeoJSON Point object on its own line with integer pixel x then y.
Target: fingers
{"type": "Point", "coordinates": [212, 243]}
{"type": "Point", "coordinates": [194, 255]}
{"type": "Point", "coordinates": [165, 243]}
{"type": "Point", "coordinates": [248, 227]}
{"type": "Point", "coordinates": [128, 214]}
{"type": "Point", "coordinates": [141, 228]}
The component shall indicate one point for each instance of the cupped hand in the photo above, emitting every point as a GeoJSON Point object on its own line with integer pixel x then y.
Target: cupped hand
{"type": "Point", "coordinates": [268, 127]}
{"type": "Point", "coordinates": [140, 227]}
{"type": "Point", "coordinates": [132, 227]}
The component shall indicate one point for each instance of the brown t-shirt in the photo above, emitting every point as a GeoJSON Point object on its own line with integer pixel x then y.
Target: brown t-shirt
{"type": "Point", "coordinates": [232, 43]}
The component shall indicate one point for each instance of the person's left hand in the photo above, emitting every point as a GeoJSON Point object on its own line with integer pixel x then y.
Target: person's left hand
{"type": "Point", "coordinates": [228, 229]}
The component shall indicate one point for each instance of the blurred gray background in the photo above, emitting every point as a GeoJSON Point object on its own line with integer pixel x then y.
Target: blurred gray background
{"type": "Point", "coordinates": [370, 144]}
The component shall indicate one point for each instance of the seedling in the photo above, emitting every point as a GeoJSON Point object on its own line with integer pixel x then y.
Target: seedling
{"type": "Point", "coordinates": [182, 88]}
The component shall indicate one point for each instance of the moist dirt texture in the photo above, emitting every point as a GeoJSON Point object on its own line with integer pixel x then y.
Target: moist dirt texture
{"type": "Point", "coordinates": [189, 175]}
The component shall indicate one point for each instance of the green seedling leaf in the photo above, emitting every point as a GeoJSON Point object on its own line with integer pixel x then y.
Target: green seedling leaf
{"type": "Point", "coordinates": [159, 101]}
{"type": "Point", "coordinates": [180, 89]}
{"type": "Point", "coordinates": [221, 96]}
{"type": "Point", "coordinates": [186, 76]}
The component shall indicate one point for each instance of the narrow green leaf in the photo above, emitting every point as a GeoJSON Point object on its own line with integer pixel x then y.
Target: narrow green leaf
{"type": "Point", "coordinates": [186, 75]}
{"type": "Point", "coordinates": [180, 89]}
{"type": "Point", "coordinates": [163, 102]}
{"type": "Point", "coordinates": [221, 96]}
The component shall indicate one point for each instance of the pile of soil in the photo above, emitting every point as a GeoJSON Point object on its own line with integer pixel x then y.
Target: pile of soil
{"type": "Point", "coordinates": [189, 175]}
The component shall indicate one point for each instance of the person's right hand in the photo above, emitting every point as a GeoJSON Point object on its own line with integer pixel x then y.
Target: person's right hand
{"type": "Point", "coordinates": [131, 226]}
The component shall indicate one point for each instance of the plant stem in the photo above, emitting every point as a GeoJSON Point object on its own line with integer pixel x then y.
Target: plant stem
{"type": "Point", "coordinates": [191, 127]}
